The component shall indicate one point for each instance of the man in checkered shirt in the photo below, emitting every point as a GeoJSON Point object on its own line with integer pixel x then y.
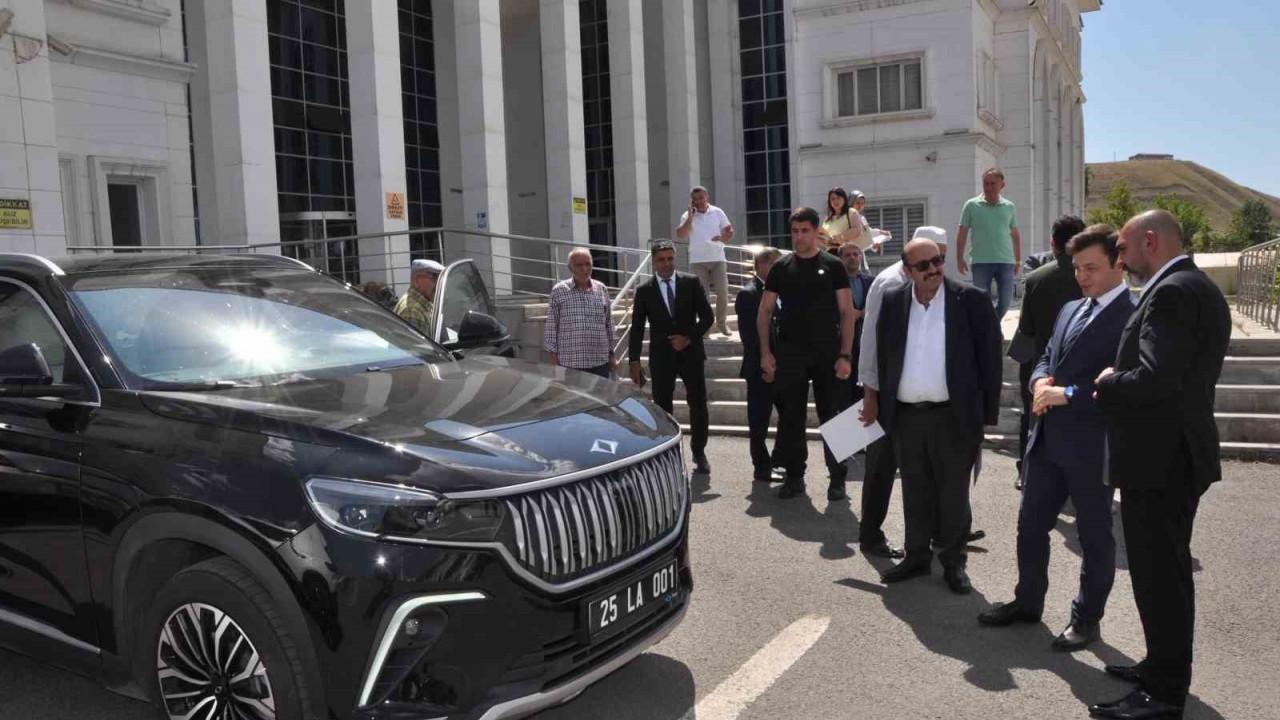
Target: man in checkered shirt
{"type": "Point", "coordinates": [579, 331]}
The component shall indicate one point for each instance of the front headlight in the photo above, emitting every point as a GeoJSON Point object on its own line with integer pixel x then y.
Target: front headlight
{"type": "Point", "coordinates": [376, 510]}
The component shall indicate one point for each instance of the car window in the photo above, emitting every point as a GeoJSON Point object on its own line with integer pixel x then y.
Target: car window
{"type": "Point", "coordinates": [23, 320]}
{"type": "Point", "coordinates": [242, 324]}
{"type": "Point", "coordinates": [464, 291]}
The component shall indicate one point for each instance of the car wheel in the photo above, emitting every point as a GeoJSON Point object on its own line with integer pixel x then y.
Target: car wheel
{"type": "Point", "coordinates": [213, 648]}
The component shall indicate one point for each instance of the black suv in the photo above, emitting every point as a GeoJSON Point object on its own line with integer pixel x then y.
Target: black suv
{"type": "Point", "coordinates": [240, 489]}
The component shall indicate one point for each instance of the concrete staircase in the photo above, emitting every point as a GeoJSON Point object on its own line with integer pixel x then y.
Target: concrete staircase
{"type": "Point", "coordinates": [1248, 397]}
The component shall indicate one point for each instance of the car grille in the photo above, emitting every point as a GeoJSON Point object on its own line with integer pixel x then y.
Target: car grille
{"type": "Point", "coordinates": [572, 530]}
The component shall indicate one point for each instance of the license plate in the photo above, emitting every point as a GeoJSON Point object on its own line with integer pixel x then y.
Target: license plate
{"type": "Point", "coordinates": [639, 597]}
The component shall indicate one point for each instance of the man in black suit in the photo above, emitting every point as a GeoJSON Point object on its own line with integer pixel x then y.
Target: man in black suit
{"type": "Point", "coordinates": [1067, 456]}
{"type": "Point", "coordinates": [1163, 443]}
{"type": "Point", "coordinates": [851, 256]}
{"type": "Point", "coordinates": [1047, 289]}
{"type": "Point", "coordinates": [760, 396]}
{"type": "Point", "coordinates": [938, 351]}
{"type": "Point", "coordinates": [675, 306]}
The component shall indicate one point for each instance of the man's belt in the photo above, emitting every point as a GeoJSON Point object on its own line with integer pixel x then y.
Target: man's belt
{"type": "Point", "coordinates": [925, 405]}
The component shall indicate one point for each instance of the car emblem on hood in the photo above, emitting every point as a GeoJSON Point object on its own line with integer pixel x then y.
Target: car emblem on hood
{"type": "Point", "coordinates": [605, 446]}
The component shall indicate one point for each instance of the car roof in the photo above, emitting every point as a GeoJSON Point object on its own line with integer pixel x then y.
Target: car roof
{"type": "Point", "coordinates": [135, 262]}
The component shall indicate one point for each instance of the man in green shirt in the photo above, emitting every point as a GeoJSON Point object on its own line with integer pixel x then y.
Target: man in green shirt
{"type": "Point", "coordinates": [418, 307]}
{"type": "Point", "coordinates": [997, 245]}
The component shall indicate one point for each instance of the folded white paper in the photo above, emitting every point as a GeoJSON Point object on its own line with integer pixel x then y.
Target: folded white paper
{"type": "Point", "coordinates": [880, 239]}
{"type": "Point", "coordinates": [846, 435]}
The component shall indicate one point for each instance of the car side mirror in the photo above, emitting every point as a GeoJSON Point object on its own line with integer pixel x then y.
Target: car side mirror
{"type": "Point", "coordinates": [24, 373]}
{"type": "Point", "coordinates": [478, 329]}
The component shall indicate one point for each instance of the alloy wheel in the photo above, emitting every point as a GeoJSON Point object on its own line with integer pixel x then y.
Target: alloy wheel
{"type": "Point", "coordinates": [209, 669]}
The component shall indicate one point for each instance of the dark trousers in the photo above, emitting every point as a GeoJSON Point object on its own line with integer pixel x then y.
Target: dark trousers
{"type": "Point", "coordinates": [1024, 429]}
{"type": "Point", "coordinates": [1046, 489]}
{"type": "Point", "coordinates": [1157, 536]}
{"type": "Point", "coordinates": [877, 488]}
{"type": "Point", "coordinates": [693, 373]}
{"type": "Point", "coordinates": [760, 404]}
{"type": "Point", "coordinates": [937, 463]}
{"type": "Point", "coordinates": [601, 370]}
{"type": "Point", "coordinates": [797, 367]}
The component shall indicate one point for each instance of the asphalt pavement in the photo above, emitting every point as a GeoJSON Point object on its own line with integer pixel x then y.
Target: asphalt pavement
{"type": "Point", "coordinates": [788, 620]}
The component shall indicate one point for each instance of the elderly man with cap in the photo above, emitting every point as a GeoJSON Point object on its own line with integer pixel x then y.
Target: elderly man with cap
{"type": "Point", "coordinates": [418, 306]}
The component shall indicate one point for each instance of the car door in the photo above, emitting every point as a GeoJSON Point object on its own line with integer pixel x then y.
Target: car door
{"type": "Point", "coordinates": [44, 583]}
{"type": "Point", "coordinates": [465, 316]}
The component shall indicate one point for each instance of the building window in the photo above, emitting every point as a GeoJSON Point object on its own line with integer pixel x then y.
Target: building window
{"type": "Point", "coordinates": [421, 129]}
{"type": "Point", "coordinates": [597, 112]}
{"type": "Point", "coordinates": [766, 138]}
{"type": "Point", "coordinates": [988, 90]}
{"type": "Point", "coordinates": [879, 89]}
{"type": "Point", "coordinates": [130, 201]}
{"type": "Point", "coordinates": [126, 214]}
{"type": "Point", "coordinates": [310, 106]}
{"type": "Point", "coordinates": [898, 217]}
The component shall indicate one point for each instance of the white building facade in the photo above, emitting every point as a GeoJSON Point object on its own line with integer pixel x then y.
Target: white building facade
{"type": "Point", "coordinates": [233, 122]}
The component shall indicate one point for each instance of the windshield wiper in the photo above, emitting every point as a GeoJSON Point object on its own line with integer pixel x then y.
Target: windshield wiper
{"type": "Point", "coordinates": [199, 386]}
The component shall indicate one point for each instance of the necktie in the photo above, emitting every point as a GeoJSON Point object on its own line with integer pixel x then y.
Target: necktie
{"type": "Point", "coordinates": [1077, 326]}
{"type": "Point", "coordinates": [670, 298]}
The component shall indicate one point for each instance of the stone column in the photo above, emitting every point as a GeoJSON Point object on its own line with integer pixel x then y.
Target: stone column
{"type": "Point", "coordinates": [232, 122]}
{"type": "Point", "coordinates": [683, 166]}
{"type": "Point", "coordinates": [28, 140]}
{"type": "Point", "coordinates": [727, 151]}
{"type": "Point", "coordinates": [562, 112]}
{"type": "Point", "coordinates": [478, 30]}
{"type": "Point", "coordinates": [630, 123]}
{"type": "Point", "coordinates": [377, 138]}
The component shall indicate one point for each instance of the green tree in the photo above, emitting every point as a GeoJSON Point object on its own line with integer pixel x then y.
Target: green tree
{"type": "Point", "coordinates": [1118, 206]}
{"type": "Point", "coordinates": [1194, 221]}
{"type": "Point", "coordinates": [1252, 224]}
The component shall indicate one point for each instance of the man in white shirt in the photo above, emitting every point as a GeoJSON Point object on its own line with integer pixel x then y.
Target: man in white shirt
{"type": "Point", "coordinates": [938, 365]}
{"type": "Point", "coordinates": [707, 229]}
{"type": "Point", "coordinates": [877, 483]}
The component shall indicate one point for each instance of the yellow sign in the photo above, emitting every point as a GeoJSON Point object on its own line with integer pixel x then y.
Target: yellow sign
{"type": "Point", "coordinates": [15, 214]}
{"type": "Point", "coordinates": [395, 206]}
{"type": "Point", "coordinates": [580, 206]}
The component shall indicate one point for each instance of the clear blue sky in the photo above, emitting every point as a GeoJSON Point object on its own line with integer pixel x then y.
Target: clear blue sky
{"type": "Point", "coordinates": [1197, 79]}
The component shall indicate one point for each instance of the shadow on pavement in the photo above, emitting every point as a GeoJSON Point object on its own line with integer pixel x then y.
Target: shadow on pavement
{"type": "Point", "coordinates": [700, 487]}
{"type": "Point", "coordinates": [652, 687]}
{"type": "Point", "coordinates": [947, 625]}
{"type": "Point", "coordinates": [836, 528]}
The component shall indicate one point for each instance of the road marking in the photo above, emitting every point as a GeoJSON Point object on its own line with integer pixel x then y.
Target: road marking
{"type": "Point", "coordinates": [742, 688]}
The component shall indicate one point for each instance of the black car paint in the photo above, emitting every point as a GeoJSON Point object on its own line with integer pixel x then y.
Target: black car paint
{"type": "Point", "coordinates": [224, 469]}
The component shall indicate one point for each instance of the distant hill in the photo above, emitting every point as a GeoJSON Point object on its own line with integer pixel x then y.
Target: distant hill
{"type": "Point", "coordinates": [1217, 194]}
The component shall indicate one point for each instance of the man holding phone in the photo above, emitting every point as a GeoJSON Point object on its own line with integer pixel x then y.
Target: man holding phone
{"type": "Point", "coordinates": [707, 229]}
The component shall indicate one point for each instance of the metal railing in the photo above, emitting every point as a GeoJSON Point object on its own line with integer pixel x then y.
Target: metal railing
{"type": "Point", "coordinates": [1258, 284]}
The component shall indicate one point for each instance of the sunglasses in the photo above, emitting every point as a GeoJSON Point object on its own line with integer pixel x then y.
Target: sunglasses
{"type": "Point", "coordinates": [924, 265]}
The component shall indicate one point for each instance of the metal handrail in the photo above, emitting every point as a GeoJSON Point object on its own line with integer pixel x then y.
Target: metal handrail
{"type": "Point", "coordinates": [1258, 283]}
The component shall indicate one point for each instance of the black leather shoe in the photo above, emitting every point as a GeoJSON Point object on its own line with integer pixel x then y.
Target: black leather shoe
{"type": "Point", "coordinates": [975, 536]}
{"type": "Point", "coordinates": [1137, 705]}
{"type": "Point", "coordinates": [1006, 614]}
{"type": "Point", "coordinates": [791, 488]}
{"type": "Point", "coordinates": [1128, 673]}
{"type": "Point", "coordinates": [1077, 636]}
{"type": "Point", "coordinates": [904, 571]}
{"type": "Point", "coordinates": [767, 475]}
{"type": "Point", "coordinates": [958, 580]}
{"type": "Point", "coordinates": [882, 549]}
{"type": "Point", "coordinates": [835, 491]}
{"type": "Point", "coordinates": [700, 464]}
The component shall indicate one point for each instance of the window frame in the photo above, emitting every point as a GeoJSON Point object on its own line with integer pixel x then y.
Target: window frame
{"type": "Point", "coordinates": [93, 392]}
{"type": "Point", "coordinates": [155, 211]}
{"type": "Point", "coordinates": [879, 205]}
{"type": "Point", "coordinates": [834, 69]}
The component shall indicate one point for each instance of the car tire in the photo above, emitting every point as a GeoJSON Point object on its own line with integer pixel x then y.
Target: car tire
{"type": "Point", "coordinates": [214, 636]}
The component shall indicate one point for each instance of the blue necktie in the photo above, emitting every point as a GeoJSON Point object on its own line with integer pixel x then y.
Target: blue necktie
{"type": "Point", "coordinates": [1077, 327]}
{"type": "Point", "coordinates": [670, 298]}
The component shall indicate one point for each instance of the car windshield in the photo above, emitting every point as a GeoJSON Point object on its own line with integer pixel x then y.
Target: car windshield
{"type": "Point", "coordinates": [241, 325]}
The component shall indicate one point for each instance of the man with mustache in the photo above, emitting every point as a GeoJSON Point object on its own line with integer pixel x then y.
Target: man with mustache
{"type": "Point", "coordinates": [938, 357]}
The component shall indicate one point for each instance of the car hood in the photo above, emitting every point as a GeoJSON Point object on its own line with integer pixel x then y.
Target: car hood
{"type": "Point", "coordinates": [476, 424]}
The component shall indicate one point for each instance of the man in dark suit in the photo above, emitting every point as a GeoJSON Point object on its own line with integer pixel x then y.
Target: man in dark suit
{"type": "Point", "coordinates": [675, 306]}
{"type": "Point", "coordinates": [1067, 456]}
{"type": "Point", "coordinates": [938, 351]}
{"type": "Point", "coordinates": [1047, 289]}
{"type": "Point", "coordinates": [851, 256]}
{"type": "Point", "coordinates": [1163, 443]}
{"type": "Point", "coordinates": [760, 396]}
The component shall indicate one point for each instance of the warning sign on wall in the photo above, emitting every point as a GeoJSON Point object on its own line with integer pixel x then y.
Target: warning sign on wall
{"type": "Point", "coordinates": [580, 206]}
{"type": "Point", "coordinates": [15, 214]}
{"type": "Point", "coordinates": [395, 206]}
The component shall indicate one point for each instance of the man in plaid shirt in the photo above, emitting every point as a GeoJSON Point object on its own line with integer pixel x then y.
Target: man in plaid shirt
{"type": "Point", "coordinates": [579, 331]}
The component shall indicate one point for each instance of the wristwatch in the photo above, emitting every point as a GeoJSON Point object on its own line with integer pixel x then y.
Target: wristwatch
{"type": "Point", "coordinates": [1069, 391]}
{"type": "Point", "coordinates": [845, 356]}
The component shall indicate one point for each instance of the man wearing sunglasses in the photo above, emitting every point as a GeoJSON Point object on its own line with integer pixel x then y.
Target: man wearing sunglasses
{"type": "Point", "coordinates": [939, 365]}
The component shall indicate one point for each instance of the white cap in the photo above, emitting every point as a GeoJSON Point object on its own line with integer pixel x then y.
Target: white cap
{"type": "Point", "coordinates": [930, 232]}
{"type": "Point", "coordinates": [430, 266]}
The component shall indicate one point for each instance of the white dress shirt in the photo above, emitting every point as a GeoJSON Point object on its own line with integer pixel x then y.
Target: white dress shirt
{"type": "Point", "coordinates": [891, 277]}
{"type": "Point", "coordinates": [1102, 302]}
{"type": "Point", "coordinates": [669, 302]}
{"type": "Point", "coordinates": [924, 366]}
{"type": "Point", "coordinates": [1160, 274]}
{"type": "Point", "coordinates": [706, 225]}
